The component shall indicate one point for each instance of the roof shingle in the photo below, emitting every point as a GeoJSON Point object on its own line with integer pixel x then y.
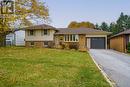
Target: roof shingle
{"type": "Point", "coordinates": [122, 33]}
{"type": "Point", "coordinates": [43, 26]}
{"type": "Point", "coordinates": [82, 31]}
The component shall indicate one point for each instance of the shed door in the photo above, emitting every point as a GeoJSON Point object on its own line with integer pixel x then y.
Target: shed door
{"type": "Point", "coordinates": [98, 43]}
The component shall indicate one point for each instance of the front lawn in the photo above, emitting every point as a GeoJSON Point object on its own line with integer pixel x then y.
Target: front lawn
{"type": "Point", "coordinates": [35, 67]}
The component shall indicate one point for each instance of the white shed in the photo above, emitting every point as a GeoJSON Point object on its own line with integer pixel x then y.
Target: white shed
{"type": "Point", "coordinates": [17, 38]}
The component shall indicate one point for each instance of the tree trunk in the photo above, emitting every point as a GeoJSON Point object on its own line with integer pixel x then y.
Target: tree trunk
{"type": "Point", "coordinates": [2, 40]}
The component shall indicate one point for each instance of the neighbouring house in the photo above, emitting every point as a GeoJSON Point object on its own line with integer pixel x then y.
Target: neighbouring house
{"type": "Point", "coordinates": [16, 38]}
{"type": "Point", "coordinates": [120, 41]}
{"type": "Point", "coordinates": [81, 38]}
{"type": "Point", "coordinates": [40, 36]}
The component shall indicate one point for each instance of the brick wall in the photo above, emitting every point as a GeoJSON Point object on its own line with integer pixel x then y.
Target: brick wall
{"type": "Point", "coordinates": [82, 43]}
{"type": "Point", "coordinates": [38, 44]}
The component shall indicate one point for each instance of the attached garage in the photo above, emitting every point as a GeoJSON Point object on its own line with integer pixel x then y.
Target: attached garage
{"type": "Point", "coordinates": [98, 43]}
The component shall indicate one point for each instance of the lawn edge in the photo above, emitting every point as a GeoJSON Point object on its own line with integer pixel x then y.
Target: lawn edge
{"type": "Point", "coordinates": [112, 83]}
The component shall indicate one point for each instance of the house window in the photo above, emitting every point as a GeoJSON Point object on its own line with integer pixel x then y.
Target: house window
{"type": "Point", "coordinates": [31, 32]}
{"type": "Point", "coordinates": [45, 32]}
{"type": "Point", "coordinates": [71, 38]}
{"type": "Point", "coordinates": [45, 44]}
{"type": "Point", "coordinates": [7, 6]}
{"type": "Point", "coordinates": [31, 43]}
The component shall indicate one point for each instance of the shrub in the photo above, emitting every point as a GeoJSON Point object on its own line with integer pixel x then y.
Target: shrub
{"type": "Point", "coordinates": [51, 44]}
{"type": "Point", "coordinates": [128, 48]}
{"type": "Point", "coordinates": [73, 46]}
{"type": "Point", "coordinates": [62, 46]}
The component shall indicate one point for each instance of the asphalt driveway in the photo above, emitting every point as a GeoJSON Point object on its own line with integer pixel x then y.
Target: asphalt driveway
{"type": "Point", "coordinates": [115, 64]}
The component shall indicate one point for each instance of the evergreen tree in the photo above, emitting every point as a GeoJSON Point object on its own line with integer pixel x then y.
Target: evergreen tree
{"type": "Point", "coordinates": [123, 22]}
{"type": "Point", "coordinates": [97, 27]}
{"type": "Point", "coordinates": [113, 28]}
{"type": "Point", "coordinates": [104, 26]}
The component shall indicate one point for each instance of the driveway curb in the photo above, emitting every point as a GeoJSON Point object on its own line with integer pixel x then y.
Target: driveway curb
{"type": "Point", "coordinates": [112, 84]}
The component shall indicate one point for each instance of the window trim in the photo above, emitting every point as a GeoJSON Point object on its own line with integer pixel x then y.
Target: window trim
{"type": "Point", "coordinates": [29, 33]}
{"type": "Point", "coordinates": [70, 38]}
{"type": "Point", "coordinates": [47, 32]}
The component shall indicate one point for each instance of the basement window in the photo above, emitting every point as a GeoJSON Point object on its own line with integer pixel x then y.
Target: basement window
{"type": "Point", "coordinates": [31, 43]}
{"type": "Point", "coordinates": [46, 44]}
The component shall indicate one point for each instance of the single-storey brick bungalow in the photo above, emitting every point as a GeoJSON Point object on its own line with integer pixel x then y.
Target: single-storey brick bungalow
{"type": "Point", "coordinates": [120, 41]}
{"type": "Point", "coordinates": [81, 38]}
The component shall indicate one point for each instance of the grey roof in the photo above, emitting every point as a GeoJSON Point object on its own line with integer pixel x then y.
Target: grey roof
{"type": "Point", "coordinates": [42, 26]}
{"type": "Point", "coordinates": [88, 31]}
{"type": "Point", "coordinates": [122, 33]}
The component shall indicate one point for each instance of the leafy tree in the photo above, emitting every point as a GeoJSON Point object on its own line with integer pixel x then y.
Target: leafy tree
{"type": "Point", "coordinates": [87, 25]}
{"type": "Point", "coordinates": [73, 24]}
{"type": "Point", "coordinates": [81, 24]}
{"type": "Point", "coordinates": [25, 12]}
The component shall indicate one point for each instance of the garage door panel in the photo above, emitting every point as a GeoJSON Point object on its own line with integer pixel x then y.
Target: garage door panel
{"type": "Point", "coordinates": [98, 43]}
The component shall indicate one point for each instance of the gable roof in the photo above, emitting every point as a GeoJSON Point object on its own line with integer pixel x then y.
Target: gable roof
{"type": "Point", "coordinates": [42, 26]}
{"type": "Point", "coordinates": [122, 33]}
{"type": "Point", "coordinates": [88, 31]}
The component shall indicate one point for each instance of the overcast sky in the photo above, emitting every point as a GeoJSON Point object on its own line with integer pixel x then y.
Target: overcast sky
{"type": "Point", "coordinates": [62, 12]}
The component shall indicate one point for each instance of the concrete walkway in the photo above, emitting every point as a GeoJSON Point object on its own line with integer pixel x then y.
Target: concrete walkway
{"type": "Point", "coordinates": [115, 64]}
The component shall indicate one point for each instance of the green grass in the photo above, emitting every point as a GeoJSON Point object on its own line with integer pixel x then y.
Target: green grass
{"type": "Point", "coordinates": [128, 53]}
{"type": "Point", "coordinates": [35, 67]}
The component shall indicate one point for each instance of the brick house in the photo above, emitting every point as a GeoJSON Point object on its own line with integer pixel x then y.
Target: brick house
{"type": "Point", "coordinates": [39, 36]}
{"type": "Point", "coordinates": [120, 41]}
{"type": "Point", "coordinates": [81, 38]}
